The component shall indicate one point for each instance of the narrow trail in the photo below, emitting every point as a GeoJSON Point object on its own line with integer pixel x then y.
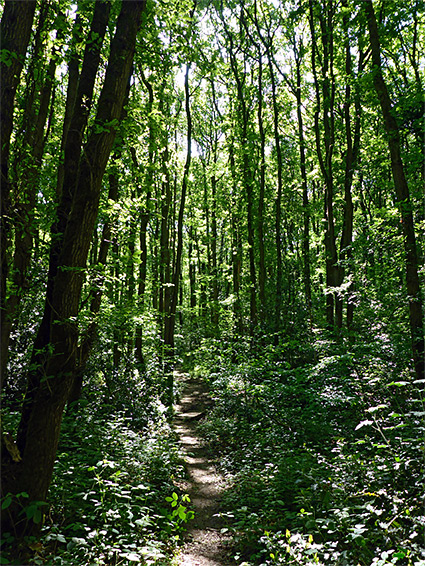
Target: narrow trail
{"type": "Point", "coordinates": [205, 544]}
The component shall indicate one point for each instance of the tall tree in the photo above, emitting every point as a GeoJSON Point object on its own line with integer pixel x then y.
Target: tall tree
{"type": "Point", "coordinates": [27, 162]}
{"type": "Point", "coordinates": [403, 196]}
{"type": "Point", "coordinates": [50, 377]}
{"type": "Point", "coordinates": [15, 31]}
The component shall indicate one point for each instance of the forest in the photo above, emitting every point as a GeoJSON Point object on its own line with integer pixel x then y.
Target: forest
{"type": "Point", "coordinates": [227, 198]}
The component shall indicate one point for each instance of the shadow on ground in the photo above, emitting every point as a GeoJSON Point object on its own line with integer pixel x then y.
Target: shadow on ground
{"type": "Point", "coordinates": [205, 544]}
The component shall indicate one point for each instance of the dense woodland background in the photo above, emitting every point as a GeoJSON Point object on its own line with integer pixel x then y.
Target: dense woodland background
{"type": "Point", "coordinates": [236, 189]}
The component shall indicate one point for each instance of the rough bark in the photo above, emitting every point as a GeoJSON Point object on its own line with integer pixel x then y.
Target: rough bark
{"type": "Point", "coordinates": [145, 217]}
{"type": "Point", "coordinates": [72, 171]}
{"type": "Point", "coordinates": [40, 423]}
{"type": "Point", "coordinates": [171, 313]}
{"type": "Point", "coordinates": [306, 208]}
{"type": "Point", "coordinates": [15, 31]}
{"type": "Point", "coordinates": [27, 170]}
{"type": "Point", "coordinates": [403, 197]}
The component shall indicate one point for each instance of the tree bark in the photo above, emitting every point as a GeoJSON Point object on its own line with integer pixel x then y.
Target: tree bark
{"type": "Point", "coordinates": [89, 337]}
{"type": "Point", "coordinates": [15, 31]}
{"type": "Point", "coordinates": [40, 423]}
{"type": "Point", "coordinates": [171, 313]}
{"type": "Point", "coordinates": [306, 207]}
{"type": "Point", "coordinates": [352, 136]}
{"type": "Point", "coordinates": [325, 101]}
{"type": "Point", "coordinates": [403, 197]}
{"type": "Point", "coordinates": [247, 179]}
{"type": "Point", "coordinates": [144, 218]}
{"type": "Point", "coordinates": [27, 169]}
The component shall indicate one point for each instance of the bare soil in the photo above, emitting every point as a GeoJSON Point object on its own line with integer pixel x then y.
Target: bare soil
{"type": "Point", "coordinates": [205, 544]}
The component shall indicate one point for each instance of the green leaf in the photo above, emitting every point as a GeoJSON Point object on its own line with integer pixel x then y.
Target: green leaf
{"type": "Point", "coordinates": [37, 516]}
{"type": "Point", "coordinates": [6, 502]}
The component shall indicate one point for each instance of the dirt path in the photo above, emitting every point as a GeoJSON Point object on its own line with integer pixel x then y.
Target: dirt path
{"type": "Point", "coordinates": [206, 545]}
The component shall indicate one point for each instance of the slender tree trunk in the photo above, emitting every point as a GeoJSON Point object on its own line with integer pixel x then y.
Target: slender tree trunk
{"type": "Point", "coordinates": [214, 273]}
{"type": "Point", "coordinates": [144, 218]}
{"type": "Point", "coordinates": [236, 245]}
{"type": "Point", "coordinates": [325, 98]}
{"type": "Point", "coordinates": [192, 271]}
{"type": "Point", "coordinates": [260, 219]}
{"type": "Point", "coordinates": [351, 158]}
{"type": "Point", "coordinates": [71, 97]}
{"type": "Point", "coordinates": [403, 197]}
{"type": "Point", "coordinates": [171, 313]}
{"type": "Point", "coordinates": [89, 337]}
{"type": "Point", "coordinates": [306, 207]}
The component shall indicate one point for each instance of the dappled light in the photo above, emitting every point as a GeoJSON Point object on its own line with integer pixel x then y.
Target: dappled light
{"type": "Point", "coordinates": [212, 243]}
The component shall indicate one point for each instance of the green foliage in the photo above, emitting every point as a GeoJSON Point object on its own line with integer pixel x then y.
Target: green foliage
{"type": "Point", "coordinates": [110, 481]}
{"type": "Point", "coordinates": [326, 459]}
{"type": "Point", "coordinates": [180, 514]}
{"type": "Point", "coordinates": [320, 431]}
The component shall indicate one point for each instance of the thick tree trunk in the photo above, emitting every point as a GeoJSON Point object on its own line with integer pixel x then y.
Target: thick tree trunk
{"type": "Point", "coordinates": [28, 162]}
{"type": "Point", "coordinates": [40, 423]}
{"type": "Point", "coordinates": [403, 198]}
{"type": "Point", "coordinates": [15, 31]}
{"type": "Point", "coordinates": [72, 163]}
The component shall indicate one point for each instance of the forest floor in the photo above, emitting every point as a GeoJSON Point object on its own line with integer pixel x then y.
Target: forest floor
{"type": "Point", "coordinates": [205, 544]}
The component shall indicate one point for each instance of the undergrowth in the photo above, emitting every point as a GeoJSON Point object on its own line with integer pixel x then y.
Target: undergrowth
{"type": "Point", "coordinates": [325, 459]}
{"type": "Point", "coordinates": [113, 499]}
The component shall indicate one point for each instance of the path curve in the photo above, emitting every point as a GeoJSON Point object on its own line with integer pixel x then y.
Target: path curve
{"type": "Point", "coordinates": [205, 544]}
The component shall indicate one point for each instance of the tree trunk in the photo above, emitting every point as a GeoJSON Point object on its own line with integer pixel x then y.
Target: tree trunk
{"type": "Point", "coordinates": [306, 208]}
{"type": "Point", "coordinates": [171, 313]}
{"type": "Point", "coordinates": [28, 163]}
{"type": "Point", "coordinates": [237, 252]}
{"type": "Point", "coordinates": [351, 158]}
{"type": "Point", "coordinates": [403, 198]}
{"type": "Point", "coordinates": [325, 99]}
{"type": "Point", "coordinates": [260, 219]}
{"type": "Point", "coordinates": [144, 219]}
{"type": "Point", "coordinates": [89, 337]}
{"type": "Point", "coordinates": [15, 31]}
{"type": "Point", "coordinates": [214, 271]}
{"type": "Point", "coordinates": [50, 378]}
